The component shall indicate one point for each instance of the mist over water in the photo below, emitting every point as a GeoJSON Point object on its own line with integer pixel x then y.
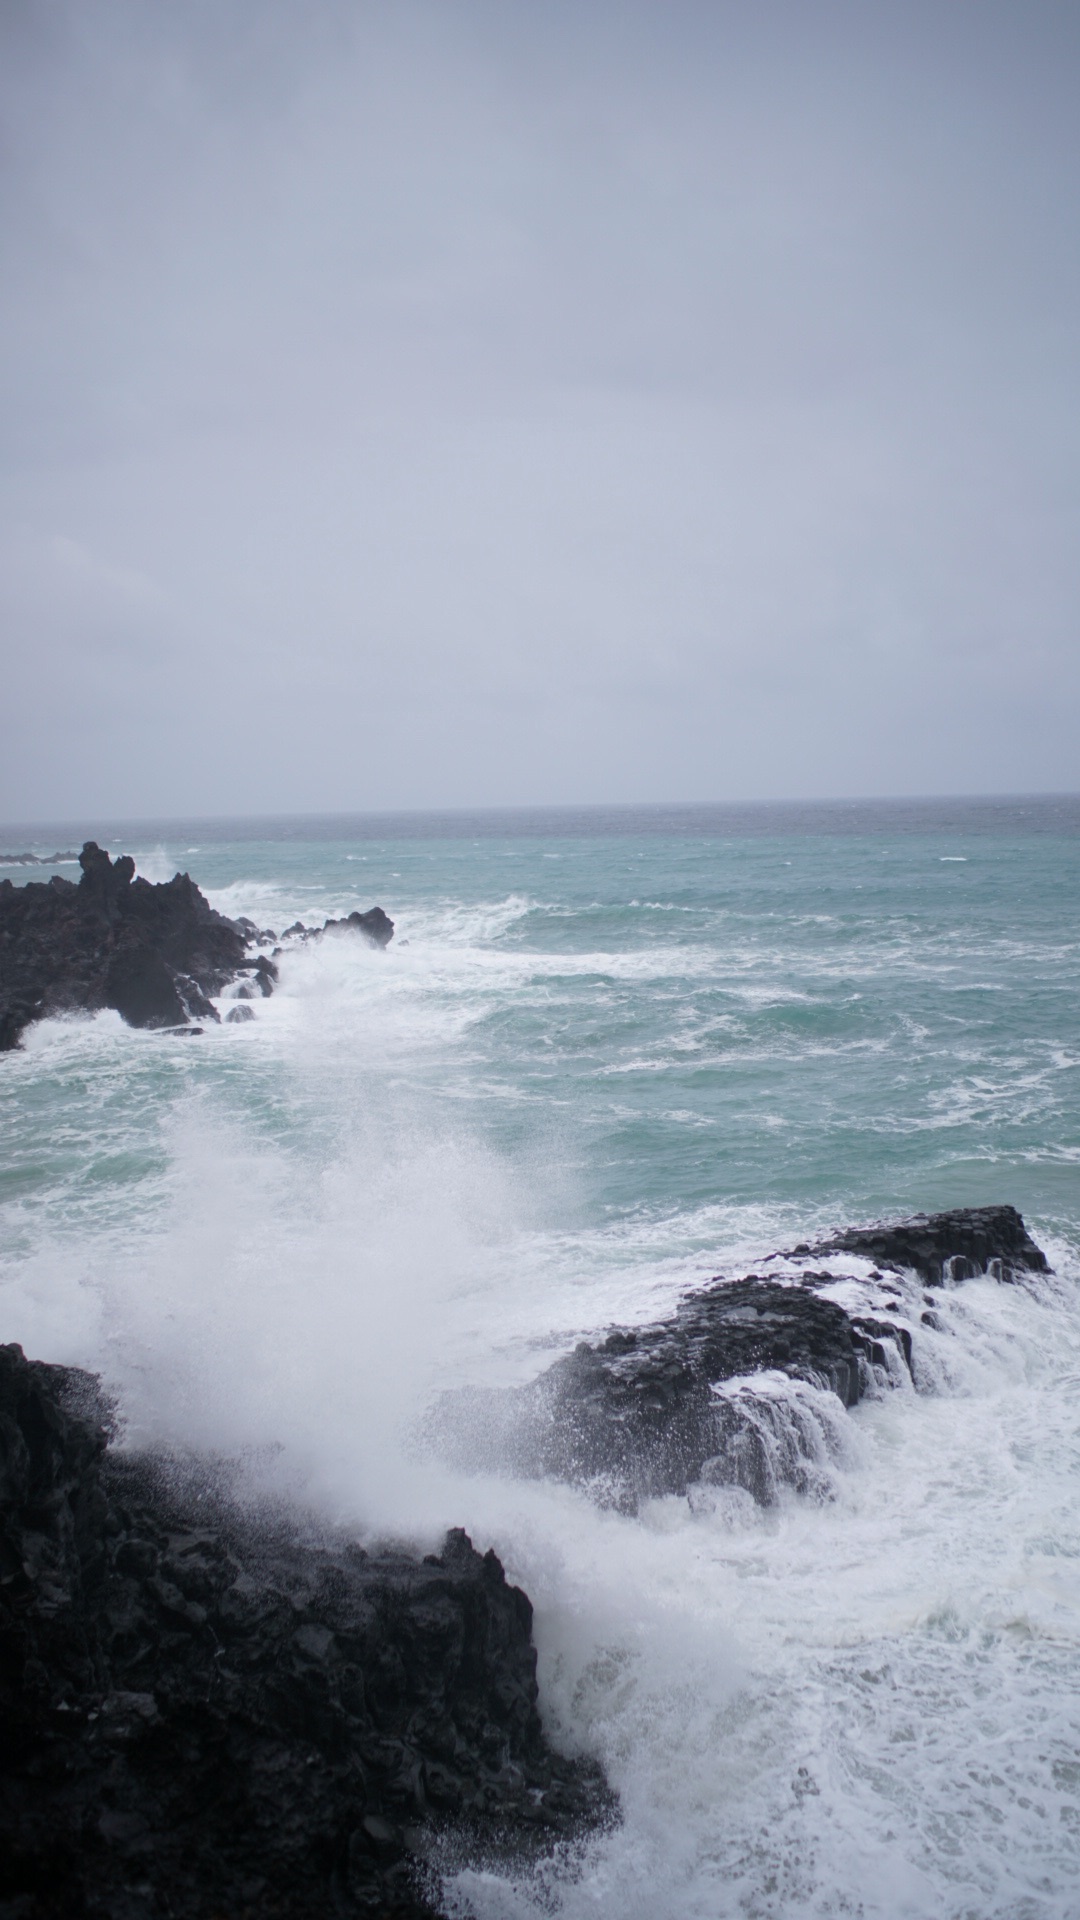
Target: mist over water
{"type": "Point", "coordinates": [602, 1061]}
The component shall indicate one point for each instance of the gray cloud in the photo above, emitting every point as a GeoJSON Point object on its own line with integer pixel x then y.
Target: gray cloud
{"type": "Point", "coordinates": [463, 404]}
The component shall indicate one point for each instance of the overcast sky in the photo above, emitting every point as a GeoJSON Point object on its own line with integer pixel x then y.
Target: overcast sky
{"type": "Point", "coordinates": [463, 404]}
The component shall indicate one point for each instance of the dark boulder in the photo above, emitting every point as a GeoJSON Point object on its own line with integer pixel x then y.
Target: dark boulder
{"type": "Point", "coordinates": [945, 1246]}
{"type": "Point", "coordinates": [742, 1387]}
{"type": "Point", "coordinates": [375, 928]}
{"type": "Point", "coordinates": [264, 973]}
{"type": "Point", "coordinates": [204, 1711]}
{"type": "Point", "coordinates": [637, 1414]}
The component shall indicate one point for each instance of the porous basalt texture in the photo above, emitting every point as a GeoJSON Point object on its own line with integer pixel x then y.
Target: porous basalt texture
{"type": "Point", "coordinates": [206, 1714]}
{"type": "Point", "coordinates": [944, 1246]}
{"type": "Point", "coordinates": [638, 1414]}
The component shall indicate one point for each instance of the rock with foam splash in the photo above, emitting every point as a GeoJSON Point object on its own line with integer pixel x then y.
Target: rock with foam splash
{"type": "Point", "coordinates": [375, 928]}
{"type": "Point", "coordinates": [665, 1408]}
{"type": "Point", "coordinates": [637, 1414]}
{"type": "Point", "coordinates": [205, 1711]}
{"type": "Point", "coordinates": [956, 1245]}
{"type": "Point", "coordinates": [155, 953]}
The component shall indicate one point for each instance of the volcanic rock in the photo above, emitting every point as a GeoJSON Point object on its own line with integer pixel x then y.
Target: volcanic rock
{"type": "Point", "coordinates": [207, 1712]}
{"type": "Point", "coordinates": [742, 1387]}
{"type": "Point", "coordinates": [143, 991]}
{"type": "Point", "coordinates": [375, 927]}
{"type": "Point", "coordinates": [637, 1414]}
{"type": "Point", "coordinates": [153, 952]}
{"type": "Point", "coordinates": [157, 954]}
{"type": "Point", "coordinates": [945, 1246]}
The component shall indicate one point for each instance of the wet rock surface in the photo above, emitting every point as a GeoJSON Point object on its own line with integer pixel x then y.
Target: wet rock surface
{"type": "Point", "coordinates": [956, 1245]}
{"type": "Point", "coordinates": [155, 953]}
{"type": "Point", "coordinates": [712, 1395]}
{"type": "Point", "coordinates": [375, 928]}
{"type": "Point", "coordinates": [204, 1713]}
{"type": "Point", "coordinates": [637, 1415]}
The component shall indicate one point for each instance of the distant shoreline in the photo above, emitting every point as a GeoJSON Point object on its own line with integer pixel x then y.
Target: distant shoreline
{"type": "Point", "coordinates": [69, 859]}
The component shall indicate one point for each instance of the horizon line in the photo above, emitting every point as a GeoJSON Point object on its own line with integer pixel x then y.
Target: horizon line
{"type": "Point", "coordinates": [508, 810]}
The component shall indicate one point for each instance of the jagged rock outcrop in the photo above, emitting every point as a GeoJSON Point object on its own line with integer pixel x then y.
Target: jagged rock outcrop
{"type": "Point", "coordinates": [207, 1713]}
{"type": "Point", "coordinates": [955, 1246]}
{"type": "Point", "coordinates": [736, 1388]}
{"type": "Point", "coordinates": [156, 953]}
{"type": "Point", "coordinates": [374, 927]}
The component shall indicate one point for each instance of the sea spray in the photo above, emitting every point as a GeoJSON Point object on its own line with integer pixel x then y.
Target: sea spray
{"type": "Point", "coordinates": [555, 1111]}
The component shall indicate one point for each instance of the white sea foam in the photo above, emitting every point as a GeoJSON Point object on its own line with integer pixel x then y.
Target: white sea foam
{"type": "Point", "coordinates": [859, 1706]}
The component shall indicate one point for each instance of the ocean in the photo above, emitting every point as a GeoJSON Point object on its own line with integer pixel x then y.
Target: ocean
{"type": "Point", "coordinates": [610, 1054]}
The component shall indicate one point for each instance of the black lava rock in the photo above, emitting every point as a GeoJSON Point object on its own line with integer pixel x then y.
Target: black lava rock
{"type": "Point", "coordinates": [153, 952]}
{"type": "Point", "coordinates": [143, 991]}
{"type": "Point", "coordinates": [646, 1411]}
{"type": "Point", "coordinates": [636, 1415]}
{"type": "Point", "coordinates": [205, 1713]}
{"type": "Point", "coordinates": [950, 1246]}
{"type": "Point", "coordinates": [375, 928]}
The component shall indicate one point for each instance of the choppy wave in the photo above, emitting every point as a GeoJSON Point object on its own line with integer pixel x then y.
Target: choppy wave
{"type": "Point", "coordinates": [554, 1110]}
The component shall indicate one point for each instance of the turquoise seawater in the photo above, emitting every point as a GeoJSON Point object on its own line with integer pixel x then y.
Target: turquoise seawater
{"type": "Point", "coordinates": [609, 1054]}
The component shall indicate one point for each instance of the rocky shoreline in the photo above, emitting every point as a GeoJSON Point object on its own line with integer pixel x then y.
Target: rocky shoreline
{"type": "Point", "coordinates": [210, 1708]}
{"type": "Point", "coordinates": [157, 954]}
{"type": "Point", "coordinates": [207, 1710]}
{"type": "Point", "coordinates": [56, 859]}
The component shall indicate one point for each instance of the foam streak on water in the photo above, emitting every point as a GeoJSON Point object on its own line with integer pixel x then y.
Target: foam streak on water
{"type": "Point", "coordinates": [606, 1065]}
